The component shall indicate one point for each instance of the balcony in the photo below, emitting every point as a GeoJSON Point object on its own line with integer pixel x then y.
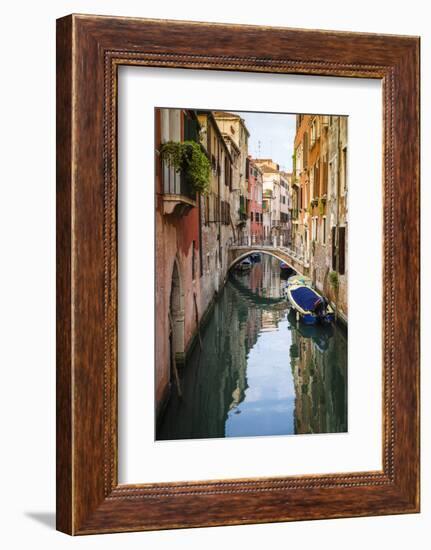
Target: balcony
{"type": "Point", "coordinates": [178, 195]}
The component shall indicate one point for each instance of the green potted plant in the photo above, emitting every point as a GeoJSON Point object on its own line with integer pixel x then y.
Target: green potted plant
{"type": "Point", "coordinates": [189, 158]}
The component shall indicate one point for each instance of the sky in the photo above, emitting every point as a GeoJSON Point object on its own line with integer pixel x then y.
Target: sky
{"type": "Point", "coordinates": [271, 136]}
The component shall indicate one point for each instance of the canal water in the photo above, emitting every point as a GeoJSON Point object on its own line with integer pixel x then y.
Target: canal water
{"type": "Point", "coordinates": [260, 372]}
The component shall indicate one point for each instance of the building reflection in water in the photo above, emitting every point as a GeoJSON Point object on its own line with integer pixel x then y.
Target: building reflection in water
{"type": "Point", "coordinates": [259, 372]}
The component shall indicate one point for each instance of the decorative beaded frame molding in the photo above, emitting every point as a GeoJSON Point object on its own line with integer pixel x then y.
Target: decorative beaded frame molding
{"type": "Point", "coordinates": [89, 498]}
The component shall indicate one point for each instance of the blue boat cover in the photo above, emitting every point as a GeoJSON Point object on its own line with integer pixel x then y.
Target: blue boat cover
{"type": "Point", "coordinates": [305, 298]}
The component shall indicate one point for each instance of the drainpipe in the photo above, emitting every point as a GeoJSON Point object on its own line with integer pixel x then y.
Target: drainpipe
{"type": "Point", "coordinates": [337, 239]}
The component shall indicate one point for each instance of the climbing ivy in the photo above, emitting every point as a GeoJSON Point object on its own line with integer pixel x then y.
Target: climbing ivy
{"type": "Point", "coordinates": [188, 157]}
{"type": "Point", "coordinates": [322, 205]}
{"type": "Point", "coordinates": [334, 280]}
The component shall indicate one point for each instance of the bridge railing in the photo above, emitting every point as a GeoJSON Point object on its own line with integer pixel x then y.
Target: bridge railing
{"type": "Point", "coordinates": [249, 242]}
{"type": "Point", "coordinates": [276, 242]}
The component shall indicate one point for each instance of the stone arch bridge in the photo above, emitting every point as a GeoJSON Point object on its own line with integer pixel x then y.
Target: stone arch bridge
{"type": "Point", "coordinates": [239, 252]}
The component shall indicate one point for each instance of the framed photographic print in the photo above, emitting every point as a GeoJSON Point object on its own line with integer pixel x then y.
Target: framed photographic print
{"type": "Point", "coordinates": [237, 274]}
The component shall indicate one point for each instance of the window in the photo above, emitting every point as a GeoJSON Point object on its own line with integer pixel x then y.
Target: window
{"type": "Point", "coordinates": [191, 129]}
{"type": "Point", "coordinates": [305, 159]}
{"type": "Point", "coordinates": [216, 208]}
{"type": "Point", "coordinates": [313, 132]}
{"type": "Point", "coordinates": [334, 248]}
{"type": "Point", "coordinates": [226, 213]}
{"type": "Point", "coordinates": [324, 230]}
{"type": "Point", "coordinates": [317, 192]}
{"type": "Point", "coordinates": [314, 229]}
{"type": "Point", "coordinates": [227, 172]}
{"type": "Point", "coordinates": [312, 183]}
{"type": "Point", "coordinates": [209, 140]}
{"type": "Point", "coordinates": [342, 250]}
{"type": "Point", "coordinates": [344, 169]}
{"type": "Point", "coordinates": [325, 177]}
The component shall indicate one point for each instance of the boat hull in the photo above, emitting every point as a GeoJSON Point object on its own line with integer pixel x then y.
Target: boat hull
{"type": "Point", "coordinates": [310, 306]}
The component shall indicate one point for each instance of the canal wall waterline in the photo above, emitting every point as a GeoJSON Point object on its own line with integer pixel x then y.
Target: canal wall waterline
{"type": "Point", "coordinates": [190, 346]}
{"type": "Point", "coordinates": [192, 343]}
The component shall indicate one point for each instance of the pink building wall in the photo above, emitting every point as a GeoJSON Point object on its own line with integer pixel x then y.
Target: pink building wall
{"type": "Point", "coordinates": [176, 235]}
{"type": "Point", "coordinates": [255, 201]}
{"type": "Point", "coordinates": [191, 257]}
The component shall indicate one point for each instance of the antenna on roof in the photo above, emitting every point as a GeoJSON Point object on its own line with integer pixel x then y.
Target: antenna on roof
{"type": "Point", "coordinates": [258, 149]}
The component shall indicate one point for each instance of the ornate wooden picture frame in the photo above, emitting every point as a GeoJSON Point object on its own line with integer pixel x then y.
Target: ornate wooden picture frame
{"type": "Point", "coordinates": [89, 51]}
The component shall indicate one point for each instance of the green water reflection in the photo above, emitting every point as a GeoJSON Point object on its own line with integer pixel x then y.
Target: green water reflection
{"type": "Point", "coordinates": [259, 371]}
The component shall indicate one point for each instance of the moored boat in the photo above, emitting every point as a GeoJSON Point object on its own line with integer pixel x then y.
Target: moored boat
{"type": "Point", "coordinates": [244, 265]}
{"type": "Point", "coordinates": [286, 271]}
{"type": "Point", "coordinates": [255, 257]}
{"type": "Point", "coordinates": [311, 307]}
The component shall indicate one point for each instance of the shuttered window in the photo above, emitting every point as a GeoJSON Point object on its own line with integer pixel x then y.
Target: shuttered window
{"type": "Point", "coordinates": [305, 153]}
{"type": "Point", "coordinates": [334, 248]}
{"type": "Point", "coordinates": [342, 250]}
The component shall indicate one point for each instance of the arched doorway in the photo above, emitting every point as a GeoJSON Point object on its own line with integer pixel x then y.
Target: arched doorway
{"type": "Point", "coordinates": [176, 316]}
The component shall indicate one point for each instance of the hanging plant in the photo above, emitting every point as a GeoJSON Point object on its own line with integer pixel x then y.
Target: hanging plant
{"type": "Point", "coordinates": [334, 280]}
{"type": "Point", "coordinates": [242, 212]}
{"type": "Point", "coordinates": [188, 157]}
{"type": "Point", "coordinates": [322, 203]}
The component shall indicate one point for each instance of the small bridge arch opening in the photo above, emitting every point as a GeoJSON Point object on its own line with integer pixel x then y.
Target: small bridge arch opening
{"type": "Point", "coordinates": [274, 254]}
